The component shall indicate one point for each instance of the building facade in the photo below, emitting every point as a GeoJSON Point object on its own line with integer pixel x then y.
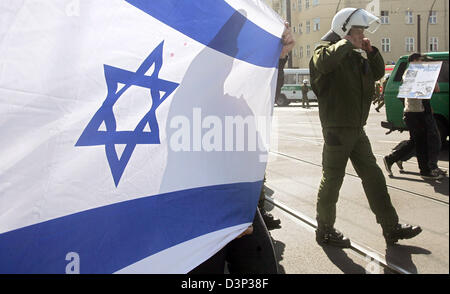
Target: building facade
{"type": "Point", "coordinates": [407, 25]}
{"type": "Point", "coordinates": [280, 6]}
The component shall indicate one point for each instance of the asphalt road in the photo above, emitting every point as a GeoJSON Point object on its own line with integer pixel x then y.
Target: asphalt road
{"type": "Point", "coordinates": [293, 175]}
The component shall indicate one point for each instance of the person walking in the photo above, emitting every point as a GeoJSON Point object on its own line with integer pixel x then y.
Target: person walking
{"type": "Point", "coordinates": [381, 95]}
{"type": "Point", "coordinates": [377, 94]}
{"type": "Point", "coordinates": [305, 91]}
{"type": "Point", "coordinates": [344, 82]}
{"type": "Point", "coordinates": [424, 135]}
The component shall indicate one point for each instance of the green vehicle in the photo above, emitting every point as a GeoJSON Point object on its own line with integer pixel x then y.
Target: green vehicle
{"type": "Point", "coordinates": [439, 101]}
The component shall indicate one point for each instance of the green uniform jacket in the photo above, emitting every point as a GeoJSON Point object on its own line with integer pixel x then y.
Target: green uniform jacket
{"type": "Point", "coordinates": [344, 83]}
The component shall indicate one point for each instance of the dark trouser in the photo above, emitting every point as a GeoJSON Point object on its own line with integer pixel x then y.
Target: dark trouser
{"type": "Point", "coordinates": [250, 254]}
{"type": "Point", "coordinates": [403, 152]}
{"type": "Point", "coordinates": [381, 104]}
{"type": "Point", "coordinates": [425, 135]}
{"type": "Point", "coordinates": [423, 131]}
{"type": "Point", "coordinates": [434, 142]}
{"type": "Point", "coordinates": [340, 145]}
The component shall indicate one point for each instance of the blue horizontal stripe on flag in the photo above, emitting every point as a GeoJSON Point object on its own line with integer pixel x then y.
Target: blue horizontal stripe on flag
{"type": "Point", "coordinates": [112, 237]}
{"type": "Point", "coordinates": [216, 24]}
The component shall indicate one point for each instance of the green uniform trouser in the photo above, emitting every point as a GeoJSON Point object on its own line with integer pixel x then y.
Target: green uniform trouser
{"type": "Point", "coordinates": [340, 145]}
{"type": "Point", "coordinates": [305, 100]}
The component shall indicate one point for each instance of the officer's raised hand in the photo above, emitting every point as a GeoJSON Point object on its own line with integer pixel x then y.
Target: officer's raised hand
{"type": "Point", "coordinates": [358, 40]}
{"type": "Point", "coordinates": [366, 45]}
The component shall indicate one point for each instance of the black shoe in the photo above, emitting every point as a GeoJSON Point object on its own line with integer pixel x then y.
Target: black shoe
{"type": "Point", "coordinates": [388, 165]}
{"type": "Point", "coordinates": [330, 236]}
{"type": "Point", "coordinates": [400, 166]}
{"type": "Point", "coordinates": [401, 231]}
{"type": "Point", "coordinates": [431, 175]}
{"type": "Point", "coordinates": [270, 221]}
{"type": "Point", "coordinates": [439, 171]}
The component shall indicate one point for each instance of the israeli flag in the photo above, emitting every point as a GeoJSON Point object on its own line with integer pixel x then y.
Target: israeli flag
{"type": "Point", "coordinates": [131, 131]}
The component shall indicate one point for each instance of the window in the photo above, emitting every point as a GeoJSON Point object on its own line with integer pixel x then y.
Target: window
{"type": "Point", "coordinates": [316, 24]}
{"type": "Point", "coordinates": [301, 52]}
{"type": "Point", "coordinates": [290, 78]}
{"type": "Point", "coordinates": [299, 5]}
{"type": "Point", "coordinates": [308, 26]}
{"type": "Point", "coordinates": [306, 4]}
{"type": "Point", "coordinates": [386, 45]}
{"type": "Point", "coordinates": [308, 50]}
{"type": "Point", "coordinates": [409, 44]}
{"type": "Point", "coordinates": [409, 17]}
{"type": "Point", "coordinates": [315, 2]}
{"type": "Point", "coordinates": [433, 17]}
{"type": "Point", "coordinates": [434, 44]}
{"type": "Point", "coordinates": [384, 16]}
{"type": "Point", "coordinates": [294, 29]}
{"type": "Point", "coordinates": [276, 6]}
{"type": "Point", "coordinates": [300, 28]}
{"type": "Point", "coordinates": [293, 5]}
{"type": "Point", "coordinates": [295, 52]}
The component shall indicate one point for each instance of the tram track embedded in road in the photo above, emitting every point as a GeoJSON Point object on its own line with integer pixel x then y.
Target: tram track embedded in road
{"type": "Point", "coordinates": [319, 142]}
{"type": "Point", "coordinates": [356, 176]}
{"type": "Point", "coordinates": [359, 249]}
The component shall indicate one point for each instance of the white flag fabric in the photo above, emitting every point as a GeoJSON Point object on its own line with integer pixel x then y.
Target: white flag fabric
{"type": "Point", "coordinates": [128, 131]}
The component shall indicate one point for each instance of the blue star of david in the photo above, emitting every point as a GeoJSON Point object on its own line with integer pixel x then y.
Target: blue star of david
{"type": "Point", "coordinates": [92, 136]}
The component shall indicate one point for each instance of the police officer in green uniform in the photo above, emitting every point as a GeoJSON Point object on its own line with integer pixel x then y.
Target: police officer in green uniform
{"type": "Point", "coordinates": [344, 83]}
{"type": "Point", "coordinates": [305, 91]}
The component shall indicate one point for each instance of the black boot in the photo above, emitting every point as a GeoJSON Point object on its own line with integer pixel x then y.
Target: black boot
{"type": "Point", "coordinates": [326, 234]}
{"type": "Point", "coordinates": [400, 231]}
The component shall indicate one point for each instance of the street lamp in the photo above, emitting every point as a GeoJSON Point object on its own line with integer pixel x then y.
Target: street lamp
{"type": "Point", "coordinates": [428, 25]}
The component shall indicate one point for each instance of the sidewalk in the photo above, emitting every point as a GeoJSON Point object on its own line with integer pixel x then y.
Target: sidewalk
{"type": "Point", "coordinates": [298, 253]}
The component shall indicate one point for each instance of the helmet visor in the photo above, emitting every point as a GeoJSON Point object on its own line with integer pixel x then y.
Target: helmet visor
{"type": "Point", "coordinates": [373, 23]}
{"type": "Point", "coordinates": [362, 18]}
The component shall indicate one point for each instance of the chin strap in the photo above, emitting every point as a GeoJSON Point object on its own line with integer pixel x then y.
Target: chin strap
{"type": "Point", "coordinates": [344, 26]}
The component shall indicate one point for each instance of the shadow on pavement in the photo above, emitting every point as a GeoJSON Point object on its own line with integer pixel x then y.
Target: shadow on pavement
{"type": "Point", "coordinates": [440, 186]}
{"type": "Point", "coordinates": [444, 151]}
{"type": "Point", "coordinates": [277, 245]}
{"type": "Point", "coordinates": [401, 255]}
{"type": "Point", "coordinates": [279, 251]}
{"type": "Point", "coordinates": [409, 173]}
{"type": "Point", "coordinates": [339, 258]}
{"type": "Point", "coordinates": [419, 180]}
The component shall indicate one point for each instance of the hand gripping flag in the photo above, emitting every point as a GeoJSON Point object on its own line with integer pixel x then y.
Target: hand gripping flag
{"type": "Point", "coordinates": [131, 131]}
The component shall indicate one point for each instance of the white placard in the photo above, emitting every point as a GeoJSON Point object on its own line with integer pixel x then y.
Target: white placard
{"type": "Point", "coordinates": [420, 80]}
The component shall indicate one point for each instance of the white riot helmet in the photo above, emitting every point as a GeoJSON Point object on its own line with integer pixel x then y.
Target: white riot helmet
{"type": "Point", "coordinates": [305, 81]}
{"type": "Point", "coordinates": [347, 18]}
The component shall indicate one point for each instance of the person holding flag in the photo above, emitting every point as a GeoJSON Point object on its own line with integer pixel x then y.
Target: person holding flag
{"type": "Point", "coordinates": [112, 116]}
{"type": "Point", "coordinates": [252, 251]}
